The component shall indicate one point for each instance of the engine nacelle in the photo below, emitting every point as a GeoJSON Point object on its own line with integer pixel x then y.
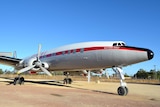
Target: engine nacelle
{"type": "Point", "coordinates": [45, 65]}
{"type": "Point", "coordinates": [33, 61]}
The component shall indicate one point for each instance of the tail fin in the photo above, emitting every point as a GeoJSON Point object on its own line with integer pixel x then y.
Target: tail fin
{"type": "Point", "coordinates": [14, 54]}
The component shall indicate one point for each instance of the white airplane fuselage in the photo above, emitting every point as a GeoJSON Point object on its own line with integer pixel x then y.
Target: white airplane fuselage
{"type": "Point", "coordinates": [90, 56]}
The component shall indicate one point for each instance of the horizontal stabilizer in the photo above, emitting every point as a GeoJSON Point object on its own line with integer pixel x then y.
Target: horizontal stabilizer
{"type": "Point", "coordinates": [9, 54]}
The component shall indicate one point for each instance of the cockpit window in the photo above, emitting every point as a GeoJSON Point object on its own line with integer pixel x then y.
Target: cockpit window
{"type": "Point", "coordinates": [123, 44]}
{"type": "Point", "coordinates": [118, 44]}
{"type": "Point", "coordinates": [115, 44]}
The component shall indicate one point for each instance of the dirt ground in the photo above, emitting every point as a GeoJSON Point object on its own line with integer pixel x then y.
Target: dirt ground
{"type": "Point", "coordinates": [43, 93]}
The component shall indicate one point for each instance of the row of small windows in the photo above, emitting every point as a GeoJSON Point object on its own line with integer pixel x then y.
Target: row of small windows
{"type": "Point", "coordinates": [64, 52]}
{"type": "Point", "coordinates": [73, 51]}
{"type": "Point", "coordinates": [69, 51]}
{"type": "Point", "coordinates": [118, 44]}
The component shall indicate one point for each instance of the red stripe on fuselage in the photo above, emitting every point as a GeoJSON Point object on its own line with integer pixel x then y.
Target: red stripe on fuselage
{"type": "Point", "coordinates": [93, 49]}
{"type": "Point", "coordinates": [48, 55]}
{"type": "Point", "coordinates": [58, 53]}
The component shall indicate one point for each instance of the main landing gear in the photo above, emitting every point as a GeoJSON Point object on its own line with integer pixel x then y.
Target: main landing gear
{"type": "Point", "coordinates": [122, 90]}
{"type": "Point", "coordinates": [18, 80]}
{"type": "Point", "coordinates": [67, 80]}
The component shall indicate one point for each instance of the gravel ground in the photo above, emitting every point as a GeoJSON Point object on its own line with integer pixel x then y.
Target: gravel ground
{"type": "Point", "coordinates": [80, 94]}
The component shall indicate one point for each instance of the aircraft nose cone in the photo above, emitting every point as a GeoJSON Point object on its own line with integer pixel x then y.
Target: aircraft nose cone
{"type": "Point", "coordinates": [150, 54]}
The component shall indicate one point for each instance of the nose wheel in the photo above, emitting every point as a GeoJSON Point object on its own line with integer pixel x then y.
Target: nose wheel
{"type": "Point", "coordinates": [122, 91]}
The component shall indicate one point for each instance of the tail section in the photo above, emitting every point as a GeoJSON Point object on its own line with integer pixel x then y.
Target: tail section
{"type": "Point", "coordinates": [14, 54]}
{"type": "Point", "coordinates": [9, 54]}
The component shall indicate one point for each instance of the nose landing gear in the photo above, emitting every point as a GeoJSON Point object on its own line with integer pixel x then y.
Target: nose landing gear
{"type": "Point", "coordinates": [122, 90]}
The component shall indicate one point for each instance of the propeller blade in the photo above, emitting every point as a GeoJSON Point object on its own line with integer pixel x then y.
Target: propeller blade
{"type": "Point", "coordinates": [26, 69]}
{"type": "Point", "coordinates": [46, 71]}
{"type": "Point", "coordinates": [39, 51]}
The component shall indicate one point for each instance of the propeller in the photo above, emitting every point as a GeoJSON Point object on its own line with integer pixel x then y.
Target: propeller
{"type": "Point", "coordinates": [39, 51]}
{"type": "Point", "coordinates": [25, 69]}
{"type": "Point", "coordinates": [38, 63]}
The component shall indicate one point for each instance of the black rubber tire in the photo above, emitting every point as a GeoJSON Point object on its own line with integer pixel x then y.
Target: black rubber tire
{"type": "Point", "coordinates": [67, 81]}
{"type": "Point", "coordinates": [15, 81]}
{"type": "Point", "coordinates": [122, 91]}
{"type": "Point", "coordinates": [126, 90]}
{"type": "Point", "coordinates": [21, 80]}
{"type": "Point", "coordinates": [70, 80]}
{"type": "Point", "coordinates": [18, 80]}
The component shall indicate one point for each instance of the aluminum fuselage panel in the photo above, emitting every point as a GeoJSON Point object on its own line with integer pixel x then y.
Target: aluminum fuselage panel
{"type": "Point", "coordinates": [97, 59]}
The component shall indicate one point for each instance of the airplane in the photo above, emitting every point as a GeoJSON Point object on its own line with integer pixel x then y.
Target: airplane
{"type": "Point", "coordinates": [84, 57]}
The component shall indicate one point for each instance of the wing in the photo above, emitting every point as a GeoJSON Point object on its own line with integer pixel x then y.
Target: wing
{"type": "Point", "coordinates": [9, 60]}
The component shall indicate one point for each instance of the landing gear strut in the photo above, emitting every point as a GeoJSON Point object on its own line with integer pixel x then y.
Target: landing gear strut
{"type": "Point", "coordinates": [18, 80]}
{"type": "Point", "coordinates": [67, 80]}
{"type": "Point", "coordinates": [122, 90]}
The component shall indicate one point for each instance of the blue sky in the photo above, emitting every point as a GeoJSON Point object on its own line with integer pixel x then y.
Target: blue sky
{"type": "Point", "coordinates": [26, 23]}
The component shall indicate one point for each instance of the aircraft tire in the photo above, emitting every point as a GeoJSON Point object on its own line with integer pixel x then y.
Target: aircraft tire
{"type": "Point", "coordinates": [15, 81]}
{"type": "Point", "coordinates": [18, 80]}
{"type": "Point", "coordinates": [67, 81]}
{"type": "Point", "coordinates": [126, 90]}
{"type": "Point", "coordinates": [122, 91]}
{"type": "Point", "coordinates": [21, 80]}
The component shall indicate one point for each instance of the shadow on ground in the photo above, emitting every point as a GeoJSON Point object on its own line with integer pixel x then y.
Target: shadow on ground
{"type": "Point", "coordinates": [51, 83]}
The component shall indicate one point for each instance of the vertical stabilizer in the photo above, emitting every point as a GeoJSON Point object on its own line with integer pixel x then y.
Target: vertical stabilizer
{"type": "Point", "coordinates": [14, 54]}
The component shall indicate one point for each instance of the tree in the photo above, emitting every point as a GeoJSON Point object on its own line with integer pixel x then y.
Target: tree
{"type": "Point", "coordinates": [126, 75]}
{"type": "Point", "coordinates": [152, 74]}
{"type": "Point", "coordinates": [158, 74]}
{"type": "Point", "coordinates": [141, 74]}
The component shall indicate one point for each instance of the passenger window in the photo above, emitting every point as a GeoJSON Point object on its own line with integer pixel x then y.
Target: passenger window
{"type": "Point", "coordinates": [119, 44]}
{"type": "Point", "coordinates": [74, 51]}
{"type": "Point", "coordinates": [82, 50]}
{"type": "Point", "coordinates": [69, 51]}
{"type": "Point", "coordinates": [63, 52]}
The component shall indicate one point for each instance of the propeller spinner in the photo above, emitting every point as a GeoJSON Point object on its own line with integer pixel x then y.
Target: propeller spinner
{"type": "Point", "coordinates": [37, 64]}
